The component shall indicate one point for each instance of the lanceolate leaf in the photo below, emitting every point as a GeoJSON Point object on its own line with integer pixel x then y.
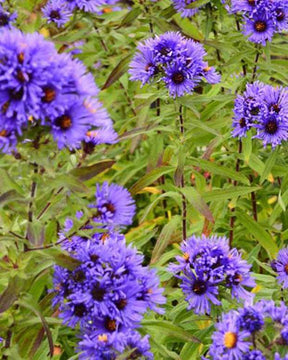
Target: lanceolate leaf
{"type": "Point", "coordinates": [118, 71]}
{"type": "Point", "coordinates": [88, 172]}
{"type": "Point", "coordinates": [228, 193]}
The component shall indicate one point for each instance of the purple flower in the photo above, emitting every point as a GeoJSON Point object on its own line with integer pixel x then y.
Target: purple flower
{"type": "Point", "coordinates": [250, 319]}
{"type": "Point", "coordinates": [260, 28]}
{"type": "Point", "coordinates": [181, 6]}
{"type": "Point", "coordinates": [229, 342]}
{"type": "Point", "coordinates": [281, 267]}
{"type": "Point", "coordinates": [6, 18]}
{"type": "Point", "coordinates": [254, 355]}
{"type": "Point", "coordinates": [57, 12]}
{"type": "Point", "coordinates": [114, 205]}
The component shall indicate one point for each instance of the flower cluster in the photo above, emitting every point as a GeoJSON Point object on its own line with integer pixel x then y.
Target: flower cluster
{"type": "Point", "coordinates": [181, 7]}
{"type": "Point", "coordinates": [263, 108]}
{"type": "Point", "coordinates": [240, 332]}
{"type": "Point", "coordinates": [207, 267]}
{"type": "Point", "coordinates": [173, 59]}
{"type": "Point", "coordinates": [60, 11]}
{"type": "Point", "coordinates": [49, 92]}
{"type": "Point", "coordinates": [263, 18]}
{"type": "Point", "coordinates": [280, 265]}
{"type": "Point", "coordinates": [109, 290]}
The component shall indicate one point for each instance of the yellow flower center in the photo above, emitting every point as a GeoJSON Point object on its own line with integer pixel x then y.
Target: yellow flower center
{"type": "Point", "coordinates": [103, 338]}
{"type": "Point", "coordinates": [230, 340]}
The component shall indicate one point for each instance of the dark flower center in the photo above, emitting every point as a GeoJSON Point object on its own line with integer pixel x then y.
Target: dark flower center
{"type": "Point", "coordinates": [64, 122]}
{"type": "Point", "coordinates": [260, 26]}
{"type": "Point", "coordinates": [199, 287]}
{"type": "Point", "coordinates": [135, 355]}
{"type": "Point", "coordinates": [97, 293]}
{"type": "Point", "coordinates": [49, 95]}
{"type": "Point", "coordinates": [178, 78]}
{"type": "Point", "coordinates": [3, 133]}
{"type": "Point", "coordinates": [275, 107]}
{"type": "Point", "coordinates": [54, 14]}
{"type": "Point", "coordinates": [94, 257]}
{"type": "Point", "coordinates": [164, 50]}
{"type": "Point", "coordinates": [20, 58]}
{"type": "Point", "coordinates": [79, 310]}
{"type": "Point", "coordinates": [79, 276]}
{"type": "Point", "coordinates": [4, 19]}
{"type": "Point", "coordinates": [121, 304]}
{"type": "Point", "coordinates": [148, 66]}
{"type": "Point", "coordinates": [20, 76]}
{"type": "Point", "coordinates": [252, 2]}
{"type": "Point", "coordinates": [237, 279]}
{"type": "Point", "coordinates": [110, 207]}
{"type": "Point", "coordinates": [280, 15]}
{"type": "Point", "coordinates": [17, 95]}
{"type": "Point", "coordinates": [271, 127]}
{"type": "Point", "coordinates": [110, 324]}
{"type": "Point", "coordinates": [286, 269]}
{"type": "Point", "coordinates": [242, 123]}
{"type": "Point", "coordinates": [5, 107]}
{"type": "Point", "coordinates": [255, 111]}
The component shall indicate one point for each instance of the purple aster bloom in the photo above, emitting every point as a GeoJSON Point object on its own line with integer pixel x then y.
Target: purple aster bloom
{"type": "Point", "coordinates": [179, 79]}
{"type": "Point", "coordinates": [57, 12]}
{"type": "Point", "coordinates": [114, 205]}
{"type": "Point", "coordinates": [166, 47]}
{"type": "Point", "coordinates": [281, 267]}
{"type": "Point", "coordinates": [272, 131]}
{"type": "Point", "coordinates": [200, 293]}
{"type": "Point", "coordinates": [8, 140]}
{"type": "Point", "coordinates": [140, 346]}
{"type": "Point", "coordinates": [244, 5]}
{"type": "Point", "coordinates": [181, 6]}
{"type": "Point", "coordinates": [254, 355]}
{"type": "Point", "coordinates": [143, 67]}
{"type": "Point", "coordinates": [284, 335]}
{"type": "Point", "coordinates": [6, 18]}
{"type": "Point", "coordinates": [278, 357]}
{"type": "Point", "coordinates": [229, 342]}
{"type": "Point", "coordinates": [250, 319]}
{"type": "Point", "coordinates": [260, 28]}
{"type": "Point", "coordinates": [70, 128]}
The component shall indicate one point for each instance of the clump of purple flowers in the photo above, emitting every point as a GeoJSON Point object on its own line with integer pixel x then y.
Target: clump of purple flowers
{"type": "Point", "coordinates": [262, 18]}
{"type": "Point", "coordinates": [280, 265]}
{"type": "Point", "coordinates": [107, 294]}
{"type": "Point", "coordinates": [49, 93]}
{"type": "Point", "coordinates": [208, 267]}
{"type": "Point", "coordinates": [263, 108]}
{"type": "Point", "coordinates": [242, 334]}
{"type": "Point", "coordinates": [173, 59]}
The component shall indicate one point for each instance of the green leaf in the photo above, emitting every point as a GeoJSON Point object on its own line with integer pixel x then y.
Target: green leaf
{"type": "Point", "coordinates": [118, 71]}
{"type": "Point", "coordinates": [131, 16]}
{"type": "Point", "coordinates": [268, 165]}
{"type": "Point", "coordinates": [88, 172]}
{"type": "Point", "coordinates": [10, 195]}
{"type": "Point", "coordinates": [197, 4]}
{"type": "Point", "coordinates": [261, 235]}
{"type": "Point", "coordinates": [169, 329]}
{"type": "Point", "coordinates": [150, 178]}
{"type": "Point", "coordinates": [220, 170]}
{"type": "Point", "coordinates": [63, 259]}
{"type": "Point", "coordinates": [197, 202]}
{"type": "Point", "coordinates": [228, 193]}
{"type": "Point", "coordinates": [165, 238]}
{"type": "Point", "coordinates": [10, 294]}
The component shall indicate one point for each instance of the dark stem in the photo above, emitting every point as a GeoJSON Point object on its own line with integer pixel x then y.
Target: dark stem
{"type": "Point", "coordinates": [100, 37]}
{"type": "Point", "coordinates": [232, 219]}
{"type": "Point", "coordinates": [182, 183]}
{"type": "Point", "coordinates": [7, 343]}
{"type": "Point", "coordinates": [242, 61]}
{"type": "Point", "coordinates": [32, 194]}
{"type": "Point", "coordinates": [254, 201]}
{"type": "Point", "coordinates": [255, 66]}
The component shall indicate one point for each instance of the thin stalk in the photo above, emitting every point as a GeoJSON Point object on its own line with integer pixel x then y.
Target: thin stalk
{"type": "Point", "coordinates": [233, 218]}
{"type": "Point", "coordinates": [182, 182]}
{"type": "Point", "coordinates": [46, 207]}
{"type": "Point", "coordinates": [7, 343]}
{"type": "Point", "coordinates": [255, 65]}
{"type": "Point", "coordinates": [253, 201]}
{"type": "Point", "coordinates": [242, 61]}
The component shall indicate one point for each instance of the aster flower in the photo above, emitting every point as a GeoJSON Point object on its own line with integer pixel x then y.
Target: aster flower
{"type": "Point", "coordinates": [57, 12]}
{"type": "Point", "coordinates": [6, 18]}
{"type": "Point", "coordinates": [173, 59]}
{"type": "Point", "coordinates": [207, 266]}
{"type": "Point", "coordinates": [229, 342]}
{"type": "Point", "coordinates": [254, 355]}
{"type": "Point", "coordinates": [114, 205]}
{"type": "Point", "coordinates": [278, 357]}
{"type": "Point", "coordinates": [181, 6]}
{"type": "Point", "coordinates": [272, 131]}
{"type": "Point", "coordinates": [259, 28]}
{"type": "Point", "coordinates": [250, 319]}
{"type": "Point", "coordinates": [281, 267]}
